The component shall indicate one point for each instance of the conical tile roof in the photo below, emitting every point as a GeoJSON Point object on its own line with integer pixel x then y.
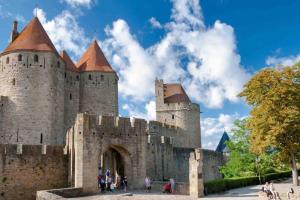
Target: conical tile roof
{"type": "Point", "coordinates": [174, 93]}
{"type": "Point", "coordinates": [33, 37]}
{"type": "Point", "coordinates": [94, 60]}
{"type": "Point", "coordinates": [69, 63]}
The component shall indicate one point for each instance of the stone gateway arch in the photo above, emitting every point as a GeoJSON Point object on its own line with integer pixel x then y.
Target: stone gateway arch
{"type": "Point", "coordinates": [110, 143]}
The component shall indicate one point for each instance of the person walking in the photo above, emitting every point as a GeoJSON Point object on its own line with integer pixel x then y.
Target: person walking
{"type": "Point", "coordinates": [125, 183]}
{"type": "Point", "coordinates": [148, 184]}
{"type": "Point", "coordinates": [172, 182]}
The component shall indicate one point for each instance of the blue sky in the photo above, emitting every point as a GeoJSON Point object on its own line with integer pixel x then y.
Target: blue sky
{"type": "Point", "coordinates": [211, 46]}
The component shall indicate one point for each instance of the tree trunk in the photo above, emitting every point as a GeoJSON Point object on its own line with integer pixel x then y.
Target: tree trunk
{"type": "Point", "coordinates": [294, 170]}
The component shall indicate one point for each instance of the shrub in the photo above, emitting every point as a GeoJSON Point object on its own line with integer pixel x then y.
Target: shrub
{"type": "Point", "coordinates": [222, 185]}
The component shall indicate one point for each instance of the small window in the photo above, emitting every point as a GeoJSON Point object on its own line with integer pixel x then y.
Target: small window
{"type": "Point", "coordinates": [19, 57]}
{"type": "Point", "coordinates": [70, 96]}
{"type": "Point", "coordinates": [102, 77]}
{"type": "Point", "coordinates": [36, 58]}
{"type": "Point", "coordinates": [90, 77]}
{"type": "Point", "coordinates": [65, 75]}
{"type": "Point", "coordinates": [7, 60]}
{"type": "Point", "coordinates": [41, 139]}
{"type": "Point", "coordinates": [58, 64]}
{"type": "Point", "coordinates": [77, 78]}
{"type": "Point", "coordinates": [14, 81]}
{"type": "Point", "coordinates": [173, 116]}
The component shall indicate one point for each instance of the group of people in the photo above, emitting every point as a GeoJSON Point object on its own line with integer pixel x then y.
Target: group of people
{"type": "Point", "coordinates": [269, 189]}
{"type": "Point", "coordinates": [169, 187]}
{"type": "Point", "coordinates": [108, 182]}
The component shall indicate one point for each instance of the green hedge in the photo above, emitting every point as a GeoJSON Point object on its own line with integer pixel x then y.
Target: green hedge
{"type": "Point", "coordinates": [222, 185]}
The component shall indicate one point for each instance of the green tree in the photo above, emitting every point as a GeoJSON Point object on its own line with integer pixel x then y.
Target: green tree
{"type": "Point", "coordinates": [241, 161]}
{"type": "Point", "coordinates": [274, 120]}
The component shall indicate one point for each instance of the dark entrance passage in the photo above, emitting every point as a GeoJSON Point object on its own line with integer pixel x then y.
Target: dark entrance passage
{"type": "Point", "coordinates": [113, 161]}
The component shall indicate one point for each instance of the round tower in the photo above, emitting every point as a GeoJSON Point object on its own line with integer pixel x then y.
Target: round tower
{"type": "Point", "coordinates": [98, 83]}
{"type": "Point", "coordinates": [72, 82]}
{"type": "Point", "coordinates": [32, 78]}
{"type": "Point", "coordinates": [173, 107]}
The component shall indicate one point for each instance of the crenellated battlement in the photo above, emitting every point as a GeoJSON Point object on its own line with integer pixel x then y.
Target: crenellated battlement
{"type": "Point", "coordinates": [156, 127]}
{"type": "Point", "coordinates": [31, 150]}
{"type": "Point", "coordinates": [111, 126]}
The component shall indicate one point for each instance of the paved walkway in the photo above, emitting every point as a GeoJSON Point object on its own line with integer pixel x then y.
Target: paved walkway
{"type": "Point", "coordinates": [246, 193]}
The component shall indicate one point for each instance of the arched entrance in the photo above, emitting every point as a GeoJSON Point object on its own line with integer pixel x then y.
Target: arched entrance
{"type": "Point", "coordinates": [112, 160]}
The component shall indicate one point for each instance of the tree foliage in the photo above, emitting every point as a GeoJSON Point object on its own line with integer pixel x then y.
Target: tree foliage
{"type": "Point", "coordinates": [242, 162]}
{"type": "Point", "coordinates": [274, 120]}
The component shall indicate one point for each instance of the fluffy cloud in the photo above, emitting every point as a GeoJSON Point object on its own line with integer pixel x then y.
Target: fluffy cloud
{"type": "Point", "coordinates": [148, 114]}
{"type": "Point", "coordinates": [213, 128]}
{"type": "Point", "coordinates": [76, 3]}
{"type": "Point", "coordinates": [65, 32]}
{"type": "Point", "coordinates": [205, 59]}
{"type": "Point", "coordinates": [282, 61]}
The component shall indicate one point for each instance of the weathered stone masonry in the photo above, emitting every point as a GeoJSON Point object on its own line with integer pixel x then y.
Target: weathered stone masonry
{"type": "Point", "coordinates": [24, 169]}
{"type": "Point", "coordinates": [94, 135]}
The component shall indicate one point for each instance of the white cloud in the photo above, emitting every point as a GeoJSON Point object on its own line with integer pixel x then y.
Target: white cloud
{"type": "Point", "coordinates": [212, 129]}
{"type": "Point", "coordinates": [65, 32]}
{"type": "Point", "coordinates": [155, 23]}
{"type": "Point", "coordinates": [76, 3]}
{"type": "Point", "coordinates": [206, 59]}
{"type": "Point", "coordinates": [149, 109]}
{"type": "Point", "coordinates": [282, 61]}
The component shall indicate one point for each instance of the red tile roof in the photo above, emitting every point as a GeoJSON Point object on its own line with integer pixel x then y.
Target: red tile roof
{"type": "Point", "coordinates": [174, 93]}
{"type": "Point", "coordinates": [33, 37]}
{"type": "Point", "coordinates": [69, 63]}
{"type": "Point", "coordinates": [94, 60]}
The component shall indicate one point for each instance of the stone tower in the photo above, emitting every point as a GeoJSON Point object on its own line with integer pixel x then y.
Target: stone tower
{"type": "Point", "coordinates": [32, 79]}
{"type": "Point", "coordinates": [98, 83]}
{"type": "Point", "coordinates": [72, 82]}
{"type": "Point", "coordinates": [173, 107]}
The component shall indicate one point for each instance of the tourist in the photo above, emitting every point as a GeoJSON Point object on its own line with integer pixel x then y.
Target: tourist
{"type": "Point", "coordinates": [148, 184]}
{"type": "Point", "coordinates": [102, 184]}
{"type": "Point", "coordinates": [99, 181]}
{"type": "Point", "coordinates": [274, 192]}
{"type": "Point", "coordinates": [266, 189]}
{"type": "Point", "coordinates": [107, 173]}
{"type": "Point", "coordinates": [167, 188]}
{"type": "Point", "coordinates": [289, 193]}
{"type": "Point", "coordinates": [112, 187]}
{"type": "Point", "coordinates": [125, 183]}
{"type": "Point", "coordinates": [108, 182]}
{"type": "Point", "coordinates": [172, 182]}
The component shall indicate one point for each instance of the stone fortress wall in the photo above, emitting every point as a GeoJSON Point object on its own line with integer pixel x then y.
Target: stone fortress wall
{"type": "Point", "coordinates": [72, 83]}
{"type": "Point", "coordinates": [34, 111]}
{"type": "Point", "coordinates": [42, 103]}
{"type": "Point", "coordinates": [24, 169]}
{"type": "Point", "coordinates": [167, 158]}
{"type": "Point", "coordinates": [99, 93]}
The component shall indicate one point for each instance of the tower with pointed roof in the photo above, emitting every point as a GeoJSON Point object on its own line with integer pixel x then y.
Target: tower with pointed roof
{"type": "Point", "coordinates": [173, 107]}
{"type": "Point", "coordinates": [72, 83]}
{"type": "Point", "coordinates": [98, 83]}
{"type": "Point", "coordinates": [31, 78]}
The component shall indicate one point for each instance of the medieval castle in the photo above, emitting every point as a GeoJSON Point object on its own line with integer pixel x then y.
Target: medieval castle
{"type": "Point", "coordinates": [59, 123]}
